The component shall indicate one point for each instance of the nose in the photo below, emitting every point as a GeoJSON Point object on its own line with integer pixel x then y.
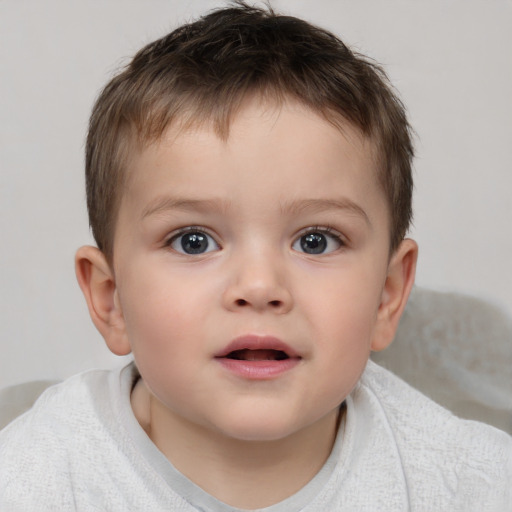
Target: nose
{"type": "Point", "coordinates": [260, 284]}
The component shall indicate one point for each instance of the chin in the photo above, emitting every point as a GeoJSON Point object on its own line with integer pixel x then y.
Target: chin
{"type": "Point", "coordinates": [253, 428]}
{"type": "Point", "coordinates": [255, 435]}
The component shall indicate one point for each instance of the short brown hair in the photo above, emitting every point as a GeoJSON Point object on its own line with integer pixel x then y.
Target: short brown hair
{"type": "Point", "coordinates": [203, 71]}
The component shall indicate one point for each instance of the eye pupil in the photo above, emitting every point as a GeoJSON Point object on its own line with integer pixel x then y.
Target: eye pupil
{"type": "Point", "coordinates": [194, 243]}
{"type": "Point", "coordinates": [313, 243]}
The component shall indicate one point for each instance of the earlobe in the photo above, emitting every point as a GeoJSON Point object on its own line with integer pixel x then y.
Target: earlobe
{"type": "Point", "coordinates": [398, 285]}
{"type": "Point", "coordinates": [97, 282]}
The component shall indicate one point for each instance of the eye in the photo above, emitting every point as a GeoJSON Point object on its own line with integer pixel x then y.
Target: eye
{"type": "Point", "coordinates": [193, 241]}
{"type": "Point", "coordinates": [317, 241]}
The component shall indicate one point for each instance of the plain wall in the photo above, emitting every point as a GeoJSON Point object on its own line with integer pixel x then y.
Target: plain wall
{"type": "Point", "coordinates": [450, 61]}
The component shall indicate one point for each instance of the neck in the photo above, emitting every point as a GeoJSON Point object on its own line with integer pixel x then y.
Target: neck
{"type": "Point", "coordinates": [243, 474]}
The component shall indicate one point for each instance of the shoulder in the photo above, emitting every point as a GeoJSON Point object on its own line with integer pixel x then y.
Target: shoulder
{"type": "Point", "coordinates": [54, 416]}
{"type": "Point", "coordinates": [58, 405]}
{"type": "Point", "coordinates": [467, 458]}
{"type": "Point", "coordinates": [36, 449]}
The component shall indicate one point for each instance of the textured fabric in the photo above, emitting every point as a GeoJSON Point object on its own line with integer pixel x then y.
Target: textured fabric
{"type": "Point", "coordinates": [457, 350]}
{"type": "Point", "coordinates": [15, 400]}
{"type": "Point", "coordinates": [80, 448]}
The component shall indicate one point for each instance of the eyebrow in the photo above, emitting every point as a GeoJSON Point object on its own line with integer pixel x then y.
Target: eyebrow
{"type": "Point", "coordinates": [166, 203]}
{"type": "Point", "coordinates": [322, 205]}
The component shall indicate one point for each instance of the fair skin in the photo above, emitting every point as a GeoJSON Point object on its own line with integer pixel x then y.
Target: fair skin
{"type": "Point", "coordinates": [275, 239]}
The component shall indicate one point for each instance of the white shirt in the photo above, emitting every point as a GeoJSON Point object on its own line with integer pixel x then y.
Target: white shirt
{"type": "Point", "coordinates": [81, 448]}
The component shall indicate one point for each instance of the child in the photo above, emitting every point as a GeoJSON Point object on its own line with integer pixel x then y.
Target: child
{"type": "Point", "coordinates": [249, 189]}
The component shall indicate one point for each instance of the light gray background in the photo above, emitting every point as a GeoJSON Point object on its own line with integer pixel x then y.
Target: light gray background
{"type": "Point", "coordinates": [450, 60]}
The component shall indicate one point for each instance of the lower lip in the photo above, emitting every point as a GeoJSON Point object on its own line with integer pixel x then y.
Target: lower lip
{"type": "Point", "coordinates": [258, 370]}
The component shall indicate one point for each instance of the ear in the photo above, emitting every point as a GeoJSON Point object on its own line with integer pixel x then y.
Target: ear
{"type": "Point", "coordinates": [97, 281]}
{"type": "Point", "coordinates": [398, 286]}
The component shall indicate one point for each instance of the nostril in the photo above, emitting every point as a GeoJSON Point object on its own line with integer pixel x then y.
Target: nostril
{"type": "Point", "coordinates": [275, 303]}
{"type": "Point", "coordinates": [241, 302]}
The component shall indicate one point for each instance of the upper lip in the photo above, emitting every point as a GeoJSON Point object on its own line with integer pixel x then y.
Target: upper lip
{"type": "Point", "coordinates": [257, 342]}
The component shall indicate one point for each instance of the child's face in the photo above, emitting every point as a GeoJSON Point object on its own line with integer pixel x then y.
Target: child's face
{"type": "Point", "coordinates": [275, 240]}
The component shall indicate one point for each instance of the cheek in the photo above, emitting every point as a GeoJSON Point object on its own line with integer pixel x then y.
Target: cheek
{"type": "Point", "coordinates": [161, 309]}
{"type": "Point", "coordinates": [163, 322]}
{"type": "Point", "coordinates": [344, 302]}
{"type": "Point", "coordinates": [343, 347]}
{"type": "Point", "coordinates": [342, 316]}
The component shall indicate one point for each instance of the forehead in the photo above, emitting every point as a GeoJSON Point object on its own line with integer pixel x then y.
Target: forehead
{"type": "Point", "coordinates": [280, 151]}
{"type": "Point", "coordinates": [286, 127]}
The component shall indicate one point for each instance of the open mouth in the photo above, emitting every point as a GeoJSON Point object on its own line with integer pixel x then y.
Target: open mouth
{"type": "Point", "coordinates": [254, 357]}
{"type": "Point", "coordinates": [257, 355]}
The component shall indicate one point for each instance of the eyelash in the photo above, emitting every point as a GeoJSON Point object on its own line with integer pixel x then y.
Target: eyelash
{"type": "Point", "coordinates": [325, 230]}
{"type": "Point", "coordinates": [188, 229]}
